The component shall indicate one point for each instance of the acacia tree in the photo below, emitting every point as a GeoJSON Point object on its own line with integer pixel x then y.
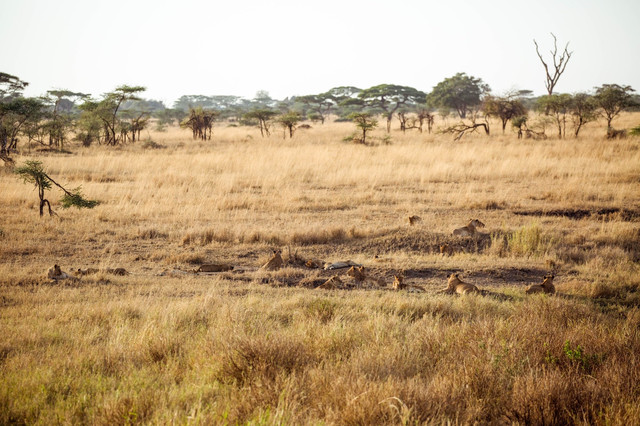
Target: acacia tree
{"type": "Point", "coordinates": [263, 117]}
{"type": "Point", "coordinates": [559, 64]}
{"type": "Point", "coordinates": [365, 122]}
{"type": "Point", "coordinates": [613, 99]}
{"type": "Point", "coordinates": [89, 126]}
{"type": "Point", "coordinates": [11, 86]}
{"type": "Point", "coordinates": [505, 108]}
{"type": "Point", "coordinates": [583, 110]}
{"type": "Point", "coordinates": [289, 121]}
{"type": "Point", "coordinates": [15, 112]}
{"type": "Point", "coordinates": [14, 115]}
{"type": "Point", "coordinates": [133, 121]}
{"type": "Point", "coordinates": [404, 117]}
{"type": "Point", "coordinates": [461, 93]}
{"type": "Point", "coordinates": [320, 106]}
{"type": "Point", "coordinates": [339, 96]}
{"type": "Point", "coordinates": [33, 172]}
{"type": "Point", "coordinates": [389, 98]}
{"type": "Point", "coordinates": [107, 110]}
{"type": "Point", "coordinates": [558, 107]}
{"type": "Point", "coordinates": [200, 121]}
{"type": "Point", "coordinates": [60, 120]}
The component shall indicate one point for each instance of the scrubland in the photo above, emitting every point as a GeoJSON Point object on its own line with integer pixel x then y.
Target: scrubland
{"type": "Point", "coordinates": [163, 345]}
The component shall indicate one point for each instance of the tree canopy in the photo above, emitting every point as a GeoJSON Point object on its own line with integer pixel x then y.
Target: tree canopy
{"type": "Point", "coordinates": [461, 93]}
{"type": "Point", "coordinates": [387, 99]}
{"type": "Point", "coordinates": [613, 99]}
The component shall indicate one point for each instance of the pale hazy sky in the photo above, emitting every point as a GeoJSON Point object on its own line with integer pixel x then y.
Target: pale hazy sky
{"type": "Point", "coordinates": [293, 47]}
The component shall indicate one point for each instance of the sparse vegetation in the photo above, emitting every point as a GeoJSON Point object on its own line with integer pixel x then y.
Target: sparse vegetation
{"type": "Point", "coordinates": [166, 344]}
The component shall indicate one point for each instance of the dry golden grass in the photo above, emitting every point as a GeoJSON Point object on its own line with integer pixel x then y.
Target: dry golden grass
{"type": "Point", "coordinates": [265, 347]}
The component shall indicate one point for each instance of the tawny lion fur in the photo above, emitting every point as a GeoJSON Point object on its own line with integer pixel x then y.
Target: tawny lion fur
{"type": "Point", "coordinates": [357, 273]}
{"type": "Point", "coordinates": [55, 273]}
{"type": "Point", "coordinates": [398, 282]}
{"type": "Point", "coordinates": [546, 286]}
{"type": "Point", "coordinates": [470, 229]}
{"type": "Point", "coordinates": [275, 262]}
{"type": "Point", "coordinates": [456, 285]}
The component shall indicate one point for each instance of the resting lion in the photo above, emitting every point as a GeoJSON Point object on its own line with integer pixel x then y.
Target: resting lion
{"type": "Point", "coordinates": [456, 285]}
{"type": "Point", "coordinates": [331, 284]}
{"type": "Point", "coordinates": [340, 265]}
{"type": "Point", "coordinates": [363, 280]}
{"type": "Point", "coordinates": [546, 286]}
{"type": "Point", "coordinates": [398, 282]}
{"type": "Point", "coordinates": [275, 262]}
{"type": "Point", "coordinates": [470, 229]}
{"type": "Point", "coordinates": [56, 273]}
{"type": "Point", "coordinates": [357, 273]}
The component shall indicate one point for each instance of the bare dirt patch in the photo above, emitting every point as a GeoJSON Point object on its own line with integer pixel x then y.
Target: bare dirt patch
{"type": "Point", "coordinates": [612, 213]}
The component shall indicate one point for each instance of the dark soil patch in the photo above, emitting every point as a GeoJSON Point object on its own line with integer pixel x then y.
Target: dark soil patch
{"type": "Point", "coordinates": [612, 213]}
{"type": "Point", "coordinates": [410, 240]}
{"type": "Point", "coordinates": [511, 276]}
{"type": "Point", "coordinates": [487, 277]}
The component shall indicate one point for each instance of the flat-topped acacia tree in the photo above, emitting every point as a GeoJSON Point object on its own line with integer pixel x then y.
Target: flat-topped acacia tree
{"type": "Point", "coordinates": [388, 99]}
{"type": "Point", "coordinates": [106, 110]}
{"type": "Point", "coordinates": [613, 99]}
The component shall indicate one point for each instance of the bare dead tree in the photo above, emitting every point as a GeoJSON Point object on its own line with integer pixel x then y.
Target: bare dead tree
{"type": "Point", "coordinates": [559, 63]}
{"type": "Point", "coordinates": [422, 115]}
{"type": "Point", "coordinates": [520, 124]}
{"type": "Point", "coordinates": [402, 116]}
{"type": "Point", "coordinates": [462, 128]}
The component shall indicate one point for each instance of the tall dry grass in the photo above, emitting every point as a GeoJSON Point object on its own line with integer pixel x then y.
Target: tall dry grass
{"type": "Point", "coordinates": [251, 346]}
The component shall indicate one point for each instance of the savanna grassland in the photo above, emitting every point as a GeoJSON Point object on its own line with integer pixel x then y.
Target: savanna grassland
{"type": "Point", "coordinates": [163, 345]}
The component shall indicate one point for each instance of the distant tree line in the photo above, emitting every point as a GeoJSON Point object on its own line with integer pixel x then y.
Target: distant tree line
{"type": "Point", "coordinates": [120, 116]}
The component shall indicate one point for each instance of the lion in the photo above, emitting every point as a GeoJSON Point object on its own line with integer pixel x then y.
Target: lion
{"type": "Point", "coordinates": [214, 267]}
{"type": "Point", "coordinates": [331, 284]}
{"type": "Point", "coordinates": [363, 280]}
{"type": "Point", "coordinates": [314, 264]}
{"type": "Point", "coordinates": [446, 250]}
{"type": "Point", "coordinates": [340, 265]}
{"type": "Point", "coordinates": [546, 286]}
{"type": "Point", "coordinates": [398, 282]}
{"type": "Point", "coordinates": [275, 262]}
{"type": "Point", "coordinates": [470, 229]}
{"type": "Point", "coordinates": [357, 273]}
{"type": "Point", "coordinates": [56, 273]}
{"type": "Point", "coordinates": [414, 219]}
{"type": "Point", "coordinates": [456, 285]}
